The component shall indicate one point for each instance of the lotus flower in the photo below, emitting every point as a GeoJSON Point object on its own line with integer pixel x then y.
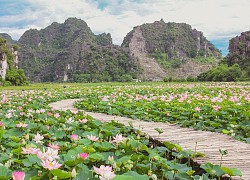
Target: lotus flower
{"type": "Point", "coordinates": [84, 156]}
{"type": "Point", "coordinates": [50, 165]}
{"type": "Point", "coordinates": [118, 138]}
{"type": "Point", "coordinates": [57, 115]}
{"type": "Point", "coordinates": [38, 138]}
{"type": "Point", "coordinates": [105, 172]}
{"type": "Point", "coordinates": [74, 137]}
{"type": "Point", "coordinates": [92, 138]}
{"type": "Point", "coordinates": [4, 98]}
{"type": "Point", "coordinates": [18, 175]}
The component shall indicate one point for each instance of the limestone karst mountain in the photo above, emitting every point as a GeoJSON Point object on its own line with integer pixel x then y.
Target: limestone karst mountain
{"type": "Point", "coordinates": [72, 52]}
{"type": "Point", "coordinates": [170, 49]}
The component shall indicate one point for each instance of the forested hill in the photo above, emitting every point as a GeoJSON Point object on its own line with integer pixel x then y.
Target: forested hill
{"type": "Point", "coordinates": [72, 52]}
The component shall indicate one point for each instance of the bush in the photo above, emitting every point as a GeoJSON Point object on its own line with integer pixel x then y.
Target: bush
{"type": "Point", "coordinates": [222, 73]}
{"type": "Point", "coordinates": [16, 77]}
{"type": "Point", "coordinates": [191, 79]}
{"type": "Point", "coordinates": [7, 83]}
{"type": "Point", "coordinates": [168, 79]}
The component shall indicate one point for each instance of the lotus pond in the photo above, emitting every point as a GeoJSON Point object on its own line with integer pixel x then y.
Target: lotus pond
{"type": "Point", "coordinates": [38, 142]}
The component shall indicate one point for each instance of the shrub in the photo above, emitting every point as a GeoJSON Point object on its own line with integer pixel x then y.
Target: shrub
{"type": "Point", "coordinates": [16, 77]}
{"type": "Point", "coordinates": [222, 73]}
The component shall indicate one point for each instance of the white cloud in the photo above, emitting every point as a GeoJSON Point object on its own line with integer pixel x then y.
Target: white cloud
{"type": "Point", "coordinates": [218, 19]}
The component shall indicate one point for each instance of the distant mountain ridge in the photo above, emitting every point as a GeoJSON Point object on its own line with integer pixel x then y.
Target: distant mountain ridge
{"type": "Point", "coordinates": [8, 38]}
{"type": "Point", "coordinates": [72, 52]}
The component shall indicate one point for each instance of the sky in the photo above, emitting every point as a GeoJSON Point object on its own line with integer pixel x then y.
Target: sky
{"type": "Point", "coordinates": [219, 20]}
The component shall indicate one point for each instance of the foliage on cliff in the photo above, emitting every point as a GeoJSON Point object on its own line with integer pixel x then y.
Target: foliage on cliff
{"type": "Point", "coordinates": [236, 65]}
{"type": "Point", "coordinates": [174, 46]}
{"type": "Point", "coordinates": [13, 75]}
{"type": "Point", "coordinates": [239, 52]}
{"type": "Point", "coordinates": [176, 40]}
{"type": "Point", "coordinates": [222, 73]}
{"type": "Point", "coordinates": [8, 38]}
{"type": "Point", "coordinates": [71, 52]}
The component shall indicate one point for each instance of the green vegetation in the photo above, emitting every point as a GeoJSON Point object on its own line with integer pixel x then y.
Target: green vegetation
{"type": "Point", "coordinates": [14, 76]}
{"type": "Point", "coordinates": [235, 66]}
{"type": "Point", "coordinates": [44, 143]}
{"type": "Point", "coordinates": [166, 62]}
{"type": "Point", "coordinates": [224, 110]}
{"type": "Point", "coordinates": [222, 73]}
{"type": "Point", "coordinates": [71, 48]}
{"type": "Point", "coordinates": [178, 40]}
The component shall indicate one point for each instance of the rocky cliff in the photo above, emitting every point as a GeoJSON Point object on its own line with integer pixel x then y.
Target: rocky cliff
{"type": "Point", "coordinates": [169, 48]}
{"type": "Point", "coordinates": [8, 54]}
{"type": "Point", "coordinates": [239, 53]}
{"type": "Point", "coordinates": [3, 65]}
{"type": "Point", "coordinates": [151, 70]}
{"type": "Point", "coordinates": [71, 52]}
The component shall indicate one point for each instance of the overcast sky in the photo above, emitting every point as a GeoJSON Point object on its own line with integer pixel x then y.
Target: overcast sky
{"type": "Point", "coordinates": [220, 20]}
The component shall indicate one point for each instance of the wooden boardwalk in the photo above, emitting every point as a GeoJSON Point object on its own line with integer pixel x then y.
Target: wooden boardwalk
{"type": "Point", "coordinates": [208, 143]}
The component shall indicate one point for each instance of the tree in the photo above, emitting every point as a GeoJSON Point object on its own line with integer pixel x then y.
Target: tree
{"type": "Point", "coordinates": [16, 77]}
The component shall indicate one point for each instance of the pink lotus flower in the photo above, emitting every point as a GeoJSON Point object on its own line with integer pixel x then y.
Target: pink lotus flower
{"type": "Point", "coordinates": [118, 138]}
{"type": "Point", "coordinates": [21, 125]}
{"type": "Point", "coordinates": [4, 98]}
{"type": "Point", "coordinates": [216, 108]}
{"type": "Point", "coordinates": [57, 115]}
{"type": "Point", "coordinates": [92, 138]}
{"type": "Point", "coordinates": [21, 113]}
{"type": "Point", "coordinates": [38, 138]}
{"type": "Point", "coordinates": [83, 156]}
{"type": "Point", "coordinates": [29, 150]}
{"type": "Point", "coordinates": [49, 113]}
{"type": "Point", "coordinates": [54, 146]}
{"type": "Point", "coordinates": [19, 108]}
{"type": "Point", "coordinates": [9, 115]}
{"type": "Point", "coordinates": [197, 109]}
{"type": "Point", "coordinates": [74, 111]}
{"type": "Point", "coordinates": [105, 99]}
{"type": "Point", "coordinates": [1, 124]}
{"type": "Point", "coordinates": [47, 127]}
{"type": "Point", "coordinates": [83, 121]}
{"type": "Point", "coordinates": [234, 99]}
{"type": "Point", "coordinates": [105, 172]}
{"type": "Point", "coordinates": [18, 175]}
{"type": "Point", "coordinates": [74, 137]}
{"type": "Point", "coordinates": [50, 165]}
{"type": "Point", "coordinates": [42, 110]}
{"type": "Point", "coordinates": [50, 154]}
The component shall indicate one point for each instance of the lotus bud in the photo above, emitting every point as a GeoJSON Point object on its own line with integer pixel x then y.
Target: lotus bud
{"type": "Point", "coordinates": [138, 136]}
{"type": "Point", "coordinates": [23, 141]}
{"type": "Point", "coordinates": [153, 177]}
{"type": "Point", "coordinates": [39, 173]}
{"type": "Point", "coordinates": [27, 136]}
{"type": "Point", "coordinates": [110, 158]}
{"type": "Point", "coordinates": [73, 173]}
